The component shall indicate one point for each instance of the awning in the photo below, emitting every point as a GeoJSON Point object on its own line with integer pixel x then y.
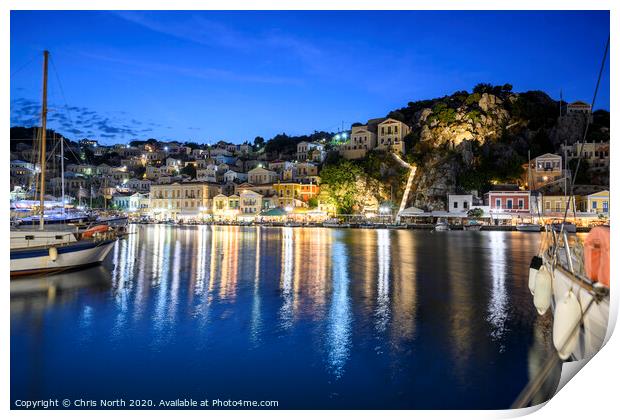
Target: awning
{"type": "Point", "coordinates": [277, 211]}
{"type": "Point", "coordinates": [412, 211]}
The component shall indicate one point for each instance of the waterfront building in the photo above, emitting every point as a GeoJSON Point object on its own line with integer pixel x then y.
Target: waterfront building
{"type": "Point", "coordinates": [21, 173]}
{"type": "Point", "coordinates": [225, 207]}
{"type": "Point", "coordinates": [361, 141]}
{"type": "Point", "coordinates": [513, 201]}
{"type": "Point", "coordinates": [459, 203]}
{"type": "Point", "coordinates": [555, 205]}
{"type": "Point", "coordinates": [279, 166]}
{"type": "Point", "coordinates": [598, 202]}
{"type": "Point", "coordinates": [543, 170]}
{"type": "Point", "coordinates": [186, 200]}
{"type": "Point", "coordinates": [120, 201]}
{"type": "Point", "coordinates": [295, 194]}
{"type": "Point", "coordinates": [305, 170]}
{"type": "Point", "coordinates": [391, 134]}
{"type": "Point", "coordinates": [260, 175]}
{"type": "Point", "coordinates": [250, 203]}
{"type": "Point", "coordinates": [304, 149]}
{"type": "Point", "coordinates": [139, 185]}
{"type": "Point", "coordinates": [104, 169]}
{"type": "Point", "coordinates": [83, 169]}
{"type": "Point", "coordinates": [74, 183]}
{"type": "Point", "coordinates": [234, 176]}
{"type": "Point", "coordinates": [266, 190]}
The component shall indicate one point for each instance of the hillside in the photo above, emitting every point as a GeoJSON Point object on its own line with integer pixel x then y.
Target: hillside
{"type": "Point", "coordinates": [468, 141]}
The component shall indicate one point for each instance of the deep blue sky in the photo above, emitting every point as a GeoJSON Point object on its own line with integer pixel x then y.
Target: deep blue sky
{"type": "Point", "coordinates": [208, 76]}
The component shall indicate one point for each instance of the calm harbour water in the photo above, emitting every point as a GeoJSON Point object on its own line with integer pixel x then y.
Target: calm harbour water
{"type": "Point", "coordinates": [311, 317]}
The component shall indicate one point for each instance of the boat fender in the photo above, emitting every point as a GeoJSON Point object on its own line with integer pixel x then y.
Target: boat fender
{"type": "Point", "coordinates": [542, 290]}
{"type": "Point", "coordinates": [53, 252]}
{"type": "Point", "coordinates": [535, 265]}
{"type": "Point", "coordinates": [566, 321]}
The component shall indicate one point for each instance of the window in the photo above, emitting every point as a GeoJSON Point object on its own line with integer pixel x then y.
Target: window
{"type": "Point", "coordinates": [558, 206]}
{"type": "Point", "coordinates": [605, 206]}
{"type": "Point", "coordinates": [456, 205]}
{"type": "Point", "coordinates": [465, 204]}
{"type": "Point", "coordinates": [521, 203]}
{"type": "Point", "coordinates": [509, 203]}
{"type": "Point", "coordinates": [498, 203]}
{"type": "Point", "coordinates": [594, 204]}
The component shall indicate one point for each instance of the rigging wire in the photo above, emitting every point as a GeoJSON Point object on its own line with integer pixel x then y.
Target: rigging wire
{"type": "Point", "coordinates": [585, 133]}
{"type": "Point", "coordinates": [23, 66]}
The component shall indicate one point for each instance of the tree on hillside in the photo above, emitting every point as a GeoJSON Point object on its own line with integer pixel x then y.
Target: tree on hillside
{"type": "Point", "coordinates": [189, 170]}
{"type": "Point", "coordinates": [340, 182]}
{"type": "Point", "coordinates": [259, 142]}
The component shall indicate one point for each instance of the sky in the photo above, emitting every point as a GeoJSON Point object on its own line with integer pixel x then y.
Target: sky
{"type": "Point", "coordinates": [206, 76]}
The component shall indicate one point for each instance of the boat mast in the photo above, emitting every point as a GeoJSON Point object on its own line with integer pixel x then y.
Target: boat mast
{"type": "Point", "coordinates": [43, 139]}
{"type": "Point", "coordinates": [62, 173]}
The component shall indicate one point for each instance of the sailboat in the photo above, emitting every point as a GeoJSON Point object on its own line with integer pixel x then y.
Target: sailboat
{"type": "Point", "coordinates": [52, 248]}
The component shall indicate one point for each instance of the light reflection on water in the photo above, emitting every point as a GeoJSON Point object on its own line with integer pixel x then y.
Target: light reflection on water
{"type": "Point", "coordinates": [316, 318]}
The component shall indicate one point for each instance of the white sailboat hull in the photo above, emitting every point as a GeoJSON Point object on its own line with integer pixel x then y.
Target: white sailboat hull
{"type": "Point", "coordinates": [81, 254]}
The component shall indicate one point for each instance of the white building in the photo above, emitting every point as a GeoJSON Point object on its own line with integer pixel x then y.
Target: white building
{"type": "Point", "coordinates": [304, 150]}
{"type": "Point", "coordinates": [258, 176]}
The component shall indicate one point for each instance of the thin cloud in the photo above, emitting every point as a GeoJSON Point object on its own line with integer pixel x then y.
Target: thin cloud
{"type": "Point", "coordinates": [76, 121]}
{"type": "Point", "coordinates": [198, 29]}
{"type": "Point", "coordinates": [208, 73]}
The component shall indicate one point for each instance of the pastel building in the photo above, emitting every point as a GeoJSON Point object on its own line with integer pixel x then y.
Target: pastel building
{"type": "Point", "coordinates": [391, 134]}
{"type": "Point", "coordinates": [598, 202]}
{"type": "Point", "coordinates": [508, 201]}
{"type": "Point", "coordinates": [361, 141]}
{"type": "Point", "coordinates": [185, 200]}
{"type": "Point", "coordinates": [262, 175]}
{"type": "Point", "coordinates": [543, 170]}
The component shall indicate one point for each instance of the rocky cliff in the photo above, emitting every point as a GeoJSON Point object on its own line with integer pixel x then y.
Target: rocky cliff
{"type": "Point", "coordinates": [467, 141]}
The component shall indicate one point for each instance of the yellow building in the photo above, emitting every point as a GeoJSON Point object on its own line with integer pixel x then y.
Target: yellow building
{"type": "Point", "coordinates": [391, 134]}
{"type": "Point", "coordinates": [225, 207]}
{"type": "Point", "coordinates": [598, 202]}
{"type": "Point", "coordinates": [557, 204]}
{"type": "Point", "coordinates": [295, 194]}
{"type": "Point", "coordinates": [182, 201]}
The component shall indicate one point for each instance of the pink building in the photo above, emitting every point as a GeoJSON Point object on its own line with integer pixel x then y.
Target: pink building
{"type": "Point", "coordinates": [508, 201]}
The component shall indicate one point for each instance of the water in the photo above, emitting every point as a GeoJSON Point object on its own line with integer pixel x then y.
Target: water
{"type": "Point", "coordinates": [310, 317]}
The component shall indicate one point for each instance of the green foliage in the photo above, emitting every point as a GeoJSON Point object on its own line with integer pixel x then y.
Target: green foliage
{"type": "Point", "coordinates": [493, 90]}
{"type": "Point", "coordinates": [537, 108]}
{"type": "Point", "coordinates": [583, 175]}
{"type": "Point", "coordinates": [340, 182]}
{"type": "Point", "coordinates": [475, 213]}
{"type": "Point", "coordinates": [443, 114]}
{"type": "Point", "coordinates": [139, 171]}
{"type": "Point", "coordinates": [189, 170]}
{"type": "Point", "coordinates": [313, 202]}
{"type": "Point", "coordinates": [472, 99]}
{"type": "Point", "coordinates": [493, 162]}
{"type": "Point", "coordinates": [473, 115]}
{"type": "Point", "coordinates": [259, 142]}
{"type": "Point", "coordinates": [420, 153]}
